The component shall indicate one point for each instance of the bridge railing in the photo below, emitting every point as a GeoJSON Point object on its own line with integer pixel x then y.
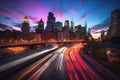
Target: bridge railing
{"type": "Point", "coordinates": [99, 67]}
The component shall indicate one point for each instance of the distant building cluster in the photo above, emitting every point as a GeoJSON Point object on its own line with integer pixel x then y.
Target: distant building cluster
{"type": "Point", "coordinates": [54, 30]}
{"type": "Point", "coordinates": [114, 28]}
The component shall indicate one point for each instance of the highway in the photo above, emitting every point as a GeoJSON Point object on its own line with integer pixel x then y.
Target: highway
{"type": "Point", "coordinates": [65, 63]}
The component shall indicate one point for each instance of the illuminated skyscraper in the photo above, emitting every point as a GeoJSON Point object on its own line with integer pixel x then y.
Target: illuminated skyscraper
{"type": "Point", "coordinates": [51, 22]}
{"type": "Point", "coordinates": [25, 25]}
{"type": "Point", "coordinates": [25, 28]}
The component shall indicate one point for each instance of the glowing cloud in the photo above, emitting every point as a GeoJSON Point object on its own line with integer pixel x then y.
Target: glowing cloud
{"type": "Point", "coordinates": [73, 12]}
{"type": "Point", "coordinates": [58, 14]}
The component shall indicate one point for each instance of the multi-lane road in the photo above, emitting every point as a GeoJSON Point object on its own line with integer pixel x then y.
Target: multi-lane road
{"type": "Point", "coordinates": [65, 63]}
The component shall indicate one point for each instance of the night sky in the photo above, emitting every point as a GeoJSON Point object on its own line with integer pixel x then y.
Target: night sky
{"type": "Point", "coordinates": [94, 12]}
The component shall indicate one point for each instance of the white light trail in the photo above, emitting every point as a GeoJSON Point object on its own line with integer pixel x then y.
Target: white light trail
{"type": "Point", "coordinates": [24, 59]}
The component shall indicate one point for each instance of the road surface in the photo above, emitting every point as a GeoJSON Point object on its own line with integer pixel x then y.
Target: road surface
{"type": "Point", "coordinates": [65, 63]}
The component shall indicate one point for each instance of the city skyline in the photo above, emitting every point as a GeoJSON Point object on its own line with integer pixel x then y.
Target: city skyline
{"type": "Point", "coordinates": [59, 39]}
{"type": "Point", "coordinates": [12, 13]}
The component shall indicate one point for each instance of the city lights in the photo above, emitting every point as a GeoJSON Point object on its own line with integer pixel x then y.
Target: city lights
{"type": "Point", "coordinates": [59, 40]}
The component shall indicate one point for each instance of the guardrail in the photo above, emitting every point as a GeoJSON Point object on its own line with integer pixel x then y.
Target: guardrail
{"type": "Point", "coordinates": [99, 67]}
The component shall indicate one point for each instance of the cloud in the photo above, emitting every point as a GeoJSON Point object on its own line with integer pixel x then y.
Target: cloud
{"type": "Point", "coordinates": [10, 14]}
{"type": "Point", "coordinates": [17, 24]}
{"type": "Point", "coordinates": [98, 6]}
{"type": "Point", "coordinates": [81, 3]}
{"type": "Point", "coordinates": [102, 26]}
{"type": "Point", "coordinates": [8, 18]}
{"type": "Point", "coordinates": [84, 16]}
{"type": "Point", "coordinates": [100, 17]}
{"type": "Point", "coordinates": [33, 19]}
{"type": "Point", "coordinates": [73, 12]}
{"type": "Point", "coordinates": [34, 13]}
{"type": "Point", "coordinates": [4, 27]}
{"type": "Point", "coordinates": [58, 14]}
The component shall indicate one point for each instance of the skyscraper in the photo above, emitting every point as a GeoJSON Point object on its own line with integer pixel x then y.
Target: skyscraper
{"type": "Point", "coordinates": [40, 26]}
{"type": "Point", "coordinates": [58, 26]}
{"type": "Point", "coordinates": [51, 22]}
{"type": "Point", "coordinates": [81, 31]}
{"type": "Point", "coordinates": [25, 27]}
{"type": "Point", "coordinates": [66, 25]}
{"type": "Point", "coordinates": [72, 26]}
{"type": "Point", "coordinates": [102, 35]}
{"type": "Point", "coordinates": [86, 26]}
{"type": "Point", "coordinates": [115, 23]}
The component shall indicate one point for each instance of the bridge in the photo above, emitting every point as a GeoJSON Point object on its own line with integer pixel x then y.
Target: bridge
{"type": "Point", "coordinates": [32, 44]}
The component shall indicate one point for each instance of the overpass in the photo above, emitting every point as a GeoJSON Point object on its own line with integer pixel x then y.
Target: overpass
{"type": "Point", "coordinates": [31, 44]}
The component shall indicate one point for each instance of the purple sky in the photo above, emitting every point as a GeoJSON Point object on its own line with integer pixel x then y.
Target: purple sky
{"type": "Point", "coordinates": [94, 12]}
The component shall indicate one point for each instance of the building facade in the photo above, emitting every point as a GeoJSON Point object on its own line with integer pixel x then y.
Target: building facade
{"type": "Point", "coordinates": [63, 36]}
{"type": "Point", "coordinates": [40, 27]}
{"type": "Point", "coordinates": [66, 25]}
{"type": "Point", "coordinates": [114, 28]}
{"type": "Point", "coordinates": [58, 26]}
{"type": "Point", "coordinates": [72, 29]}
{"type": "Point", "coordinates": [50, 22]}
{"type": "Point", "coordinates": [81, 31]}
{"type": "Point", "coordinates": [102, 35]}
{"type": "Point", "coordinates": [25, 28]}
{"type": "Point", "coordinates": [47, 35]}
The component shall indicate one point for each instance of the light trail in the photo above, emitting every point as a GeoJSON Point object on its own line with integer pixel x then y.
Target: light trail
{"type": "Point", "coordinates": [65, 63]}
{"type": "Point", "coordinates": [77, 65]}
{"type": "Point", "coordinates": [87, 68]}
{"type": "Point", "coordinates": [41, 70]}
{"type": "Point", "coordinates": [60, 58]}
{"type": "Point", "coordinates": [28, 70]}
{"type": "Point", "coordinates": [22, 60]}
{"type": "Point", "coordinates": [77, 68]}
{"type": "Point", "coordinates": [70, 68]}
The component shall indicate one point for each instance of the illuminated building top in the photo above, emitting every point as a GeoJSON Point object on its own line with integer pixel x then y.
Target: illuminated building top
{"type": "Point", "coordinates": [25, 19]}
